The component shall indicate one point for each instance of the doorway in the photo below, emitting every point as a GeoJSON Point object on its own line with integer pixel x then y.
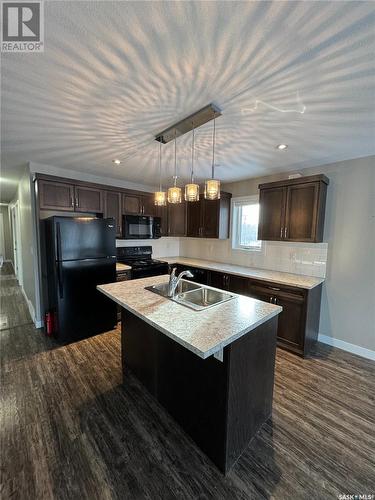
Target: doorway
{"type": "Point", "coordinates": [16, 238]}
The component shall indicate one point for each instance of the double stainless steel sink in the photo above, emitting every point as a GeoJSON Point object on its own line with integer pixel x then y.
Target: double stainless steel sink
{"type": "Point", "coordinates": [193, 295]}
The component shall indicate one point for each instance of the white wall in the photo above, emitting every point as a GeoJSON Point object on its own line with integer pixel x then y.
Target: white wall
{"type": "Point", "coordinates": [163, 247]}
{"type": "Point", "coordinates": [28, 244]}
{"type": "Point", "coordinates": [348, 301]}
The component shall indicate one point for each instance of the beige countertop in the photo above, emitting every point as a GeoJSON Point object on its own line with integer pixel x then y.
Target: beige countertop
{"type": "Point", "coordinates": [122, 267]}
{"type": "Point", "coordinates": [202, 332]}
{"type": "Point", "coordinates": [298, 280]}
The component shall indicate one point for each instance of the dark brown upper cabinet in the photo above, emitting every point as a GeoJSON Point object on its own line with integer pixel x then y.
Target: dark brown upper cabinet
{"type": "Point", "coordinates": [56, 196]}
{"type": "Point", "coordinates": [176, 219]}
{"type": "Point", "coordinates": [112, 208]}
{"type": "Point", "coordinates": [131, 204]}
{"type": "Point", "coordinates": [148, 204]}
{"type": "Point", "coordinates": [293, 210]}
{"type": "Point", "coordinates": [88, 199]}
{"type": "Point", "coordinates": [138, 204]}
{"type": "Point", "coordinates": [162, 212]}
{"type": "Point", "coordinates": [209, 218]}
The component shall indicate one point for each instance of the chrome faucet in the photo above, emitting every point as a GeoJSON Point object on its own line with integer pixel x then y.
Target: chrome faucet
{"type": "Point", "coordinates": [174, 281]}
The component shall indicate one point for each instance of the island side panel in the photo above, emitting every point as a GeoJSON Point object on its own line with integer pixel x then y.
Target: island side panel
{"type": "Point", "coordinates": [139, 350]}
{"type": "Point", "coordinates": [191, 389]}
{"type": "Point", "coordinates": [250, 392]}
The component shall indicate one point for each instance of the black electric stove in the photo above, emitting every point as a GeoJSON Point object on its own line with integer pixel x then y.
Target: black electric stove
{"type": "Point", "coordinates": [141, 261]}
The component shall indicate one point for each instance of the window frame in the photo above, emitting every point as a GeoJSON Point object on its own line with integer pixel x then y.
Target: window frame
{"type": "Point", "coordinates": [235, 223]}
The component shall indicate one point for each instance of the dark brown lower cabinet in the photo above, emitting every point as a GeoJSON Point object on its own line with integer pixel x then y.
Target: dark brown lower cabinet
{"type": "Point", "coordinates": [299, 321]}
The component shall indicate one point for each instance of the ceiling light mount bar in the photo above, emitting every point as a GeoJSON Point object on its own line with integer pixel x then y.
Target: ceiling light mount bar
{"type": "Point", "coordinates": [186, 125]}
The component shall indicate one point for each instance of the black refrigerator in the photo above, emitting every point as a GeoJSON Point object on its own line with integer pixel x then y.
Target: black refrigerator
{"type": "Point", "coordinates": [77, 255]}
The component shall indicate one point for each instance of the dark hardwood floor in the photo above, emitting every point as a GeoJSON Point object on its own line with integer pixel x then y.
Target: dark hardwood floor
{"type": "Point", "coordinates": [71, 430]}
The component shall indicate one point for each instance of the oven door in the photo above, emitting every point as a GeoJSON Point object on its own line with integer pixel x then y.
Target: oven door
{"type": "Point", "coordinates": [137, 227]}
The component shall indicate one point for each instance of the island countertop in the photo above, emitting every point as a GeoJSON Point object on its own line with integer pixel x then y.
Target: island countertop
{"type": "Point", "coordinates": [279, 277]}
{"type": "Point", "coordinates": [202, 332]}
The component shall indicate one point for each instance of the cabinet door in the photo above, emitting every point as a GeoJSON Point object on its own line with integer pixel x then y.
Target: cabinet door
{"type": "Point", "coordinates": [290, 330]}
{"type": "Point", "coordinates": [240, 285]}
{"type": "Point", "coordinates": [194, 222]}
{"type": "Point", "coordinates": [301, 212]}
{"type": "Point", "coordinates": [162, 212]}
{"type": "Point", "coordinates": [272, 213]}
{"type": "Point", "coordinates": [148, 204]}
{"type": "Point", "coordinates": [56, 196]}
{"type": "Point", "coordinates": [210, 218]}
{"type": "Point", "coordinates": [88, 199]}
{"type": "Point", "coordinates": [112, 208]}
{"type": "Point", "coordinates": [177, 219]}
{"type": "Point", "coordinates": [199, 275]}
{"type": "Point", "coordinates": [131, 204]}
{"type": "Point", "coordinates": [219, 280]}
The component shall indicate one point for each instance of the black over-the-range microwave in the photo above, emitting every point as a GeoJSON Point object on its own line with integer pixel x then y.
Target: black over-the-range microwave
{"type": "Point", "coordinates": [140, 227]}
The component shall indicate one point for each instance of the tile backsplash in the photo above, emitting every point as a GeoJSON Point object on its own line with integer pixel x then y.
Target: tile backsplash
{"type": "Point", "coordinates": [309, 259]}
{"type": "Point", "coordinates": [300, 258]}
{"type": "Point", "coordinates": [163, 247]}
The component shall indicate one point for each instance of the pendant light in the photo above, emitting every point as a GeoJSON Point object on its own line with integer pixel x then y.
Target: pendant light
{"type": "Point", "coordinates": [174, 193]}
{"type": "Point", "coordinates": [212, 186]}
{"type": "Point", "coordinates": [160, 196]}
{"type": "Point", "coordinates": [192, 189]}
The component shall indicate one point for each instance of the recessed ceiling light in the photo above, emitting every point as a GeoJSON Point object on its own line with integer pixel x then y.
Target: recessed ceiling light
{"type": "Point", "coordinates": [282, 147]}
{"type": "Point", "coordinates": [116, 161]}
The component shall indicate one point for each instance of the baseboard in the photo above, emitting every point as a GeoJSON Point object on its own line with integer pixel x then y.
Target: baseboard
{"type": "Point", "coordinates": [346, 346]}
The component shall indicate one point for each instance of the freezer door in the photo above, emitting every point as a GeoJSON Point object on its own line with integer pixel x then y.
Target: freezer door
{"type": "Point", "coordinates": [82, 310]}
{"type": "Point", "coordinates": [84, 238]}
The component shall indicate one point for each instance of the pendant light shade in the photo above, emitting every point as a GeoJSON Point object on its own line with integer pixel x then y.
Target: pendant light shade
{"type": "Point", "coordinates": [212, 186]}
{"type": "Point", "coordinates": [192, 192]}
{"type": "Point", "coordinates": [192, 189]}
{"type": "Point", "coordinates": [160, 199]}
{"type": "Point", "coordinates": [175, 193]}
{"type": "Point", "coordinates": [212, 189]}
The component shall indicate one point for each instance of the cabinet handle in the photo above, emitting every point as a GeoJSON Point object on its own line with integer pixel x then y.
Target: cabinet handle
{"type": "Point", "coordinates": [271, 300]}
{"type": "Point", "coordinates": [281, 232]}
{"type": "Point", "coordinates": [77, 204]}
{"type": "Point", "coordinates": [275, 300]}
{"type": "Point", "coordinates": [274, 288]}
{"type": "Point", "coordinates": [285, 232]}
{"type": "Point", "coordinates": [72, 201]}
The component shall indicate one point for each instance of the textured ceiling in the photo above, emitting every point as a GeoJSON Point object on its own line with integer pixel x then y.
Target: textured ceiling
{"type": "Point", "coordinates": [113, 74]}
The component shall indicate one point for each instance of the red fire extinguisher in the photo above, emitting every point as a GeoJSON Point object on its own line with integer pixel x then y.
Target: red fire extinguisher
{"type": "Point", "coordinates": [49, 323]}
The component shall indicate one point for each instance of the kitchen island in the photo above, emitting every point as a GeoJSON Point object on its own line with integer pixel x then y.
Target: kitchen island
{"type": "Point", "coordinates": [213, 370]}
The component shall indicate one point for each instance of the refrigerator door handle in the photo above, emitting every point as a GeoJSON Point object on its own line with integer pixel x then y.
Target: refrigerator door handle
{"type": "Point", "coordinates": [59, 280]}
{"type": "Point", "coordinates": [58, 255]}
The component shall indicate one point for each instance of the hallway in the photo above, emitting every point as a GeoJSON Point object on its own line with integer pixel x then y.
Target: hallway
{"type": "Point", "coordinates": [13, 307]}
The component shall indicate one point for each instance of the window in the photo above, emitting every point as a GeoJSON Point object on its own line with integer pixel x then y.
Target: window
{"type": "Point", "coordinates": [245, 218]}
